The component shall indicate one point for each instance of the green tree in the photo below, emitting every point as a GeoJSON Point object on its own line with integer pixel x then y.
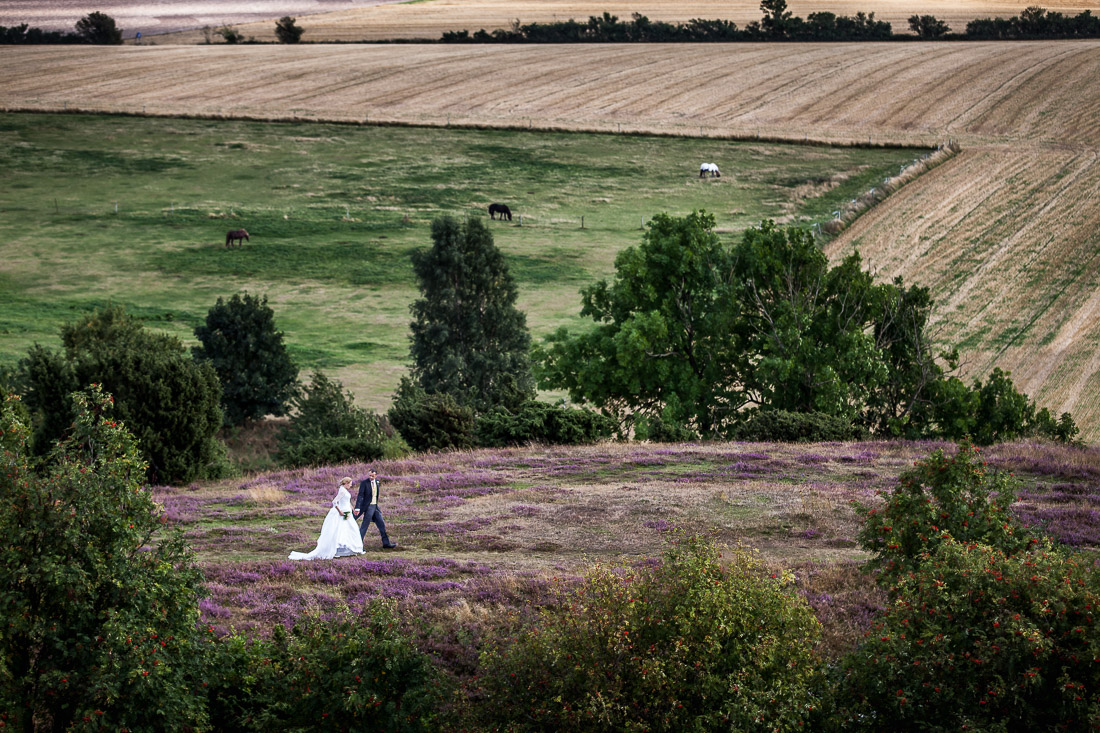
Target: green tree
{"type": "Point", "coordinates": [942, 496]}
{"type": "Point", "coordinates": [468, 339]}
{"type": "Point", "coordinates": [697, 643]}
{"type": "Point", "coordinates": [665, 346]}
{"type": "Point", "coordinates": [327, 428]}
{"type": "Point", "coordinates": [928, 26]}
{"type": "Point", "coordinates": [776, 18]}
{"type": "Point", "coordinates": [431, 420]}
{"type": "Point", "coordinates": [240, 342]}
{"type": "Point", "coordinates": [981, 639]}
{"type": "Point", "coordinates": [287, 30]}
{"type": "Point", "coordinates": [99, 28]}
{"type": "Point", "coordinates": [168, 401]}
{"type": "Point", "coordinates": [99, 598]}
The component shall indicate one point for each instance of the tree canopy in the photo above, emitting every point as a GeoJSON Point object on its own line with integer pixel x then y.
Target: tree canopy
{"type": "Point", "coordinates": [240, 341]}
{"type": "Point", "coordinates": [468, 338]}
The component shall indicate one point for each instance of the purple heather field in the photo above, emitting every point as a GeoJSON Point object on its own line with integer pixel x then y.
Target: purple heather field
{"type": "Point", "coordinates": [486, 535]}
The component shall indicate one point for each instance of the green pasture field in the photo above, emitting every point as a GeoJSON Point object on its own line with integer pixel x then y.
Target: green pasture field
{"type": "Point", "coordinates": [135, 210]}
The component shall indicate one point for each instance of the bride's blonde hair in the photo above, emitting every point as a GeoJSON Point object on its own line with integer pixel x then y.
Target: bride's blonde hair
{"type": "Point", "coordinates": [345, 480]}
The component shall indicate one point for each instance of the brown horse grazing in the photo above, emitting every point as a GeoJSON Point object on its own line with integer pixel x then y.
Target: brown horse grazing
{"type": "Point", "coordinates": [238, 235]}
{"type": "Point", "coordinates": [501, 209]}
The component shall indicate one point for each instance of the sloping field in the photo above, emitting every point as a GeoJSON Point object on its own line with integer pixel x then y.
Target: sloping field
{"type": "Point", "coordinates": [429, 19]}
{"type": "Point", "coordinates": [1005, 233]}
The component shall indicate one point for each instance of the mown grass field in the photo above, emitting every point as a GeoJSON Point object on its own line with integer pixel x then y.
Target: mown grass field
{"type": "Point", "coordinates": [334, 212]}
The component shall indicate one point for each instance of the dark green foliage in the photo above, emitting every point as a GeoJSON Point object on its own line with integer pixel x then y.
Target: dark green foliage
{"type": "Point", "coordinates": [287, 30]}
{"type": "Point", "coordinates": [239, 340]}
{"type": "Point", "coordinates": [694, 644]}
{"type": "Point", "coordinates": [98, 596]}
{"type": "Point", "coordinates": [22, 33]}
{"type": "Point", "coordinates": [941, 497]}
{"type": "Point", "coordinates": [928, 27]}
{"type": "Point", "coordinates": [663, 345]}
{"type": "Point", "coordinates": [468, 339]}
{"type": "Point", "coordinates": [230, 34]}
{"type": "Point", "coordinates": [797, 427]}
{"type": "Point", "coordinates": [430, 421]}
{"type": "Point", "coordinates": [981, 639]}
{"type": "Point", "coordinates": [1035, 22]}
{"type": "Point", "coordinates": [994, 412]}
{"type": "Point", "coordinates": [776, 18]}
{"type": "Point", "coordinates": [338, 672]}
{"type": "Point", "coordinates": [660, 430]}
{"type": "Point", "coordinates": [99, 28]}
{"type": "Point", "coordinates": [538, 422]}
{"type": "Point", "coordinates": [168, 401]}
{"type": "Point", "coordinates": [328, 428]}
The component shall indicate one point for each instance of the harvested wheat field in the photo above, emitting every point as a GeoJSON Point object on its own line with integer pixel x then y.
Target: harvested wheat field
{"type": "Point", "coordinates": [429, 19]}
{"type": "Point", "coordinates": [1005, 234]}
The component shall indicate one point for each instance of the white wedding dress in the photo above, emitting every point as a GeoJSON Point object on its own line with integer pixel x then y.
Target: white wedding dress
{"type": "Point", "coordinates": [339, 536]}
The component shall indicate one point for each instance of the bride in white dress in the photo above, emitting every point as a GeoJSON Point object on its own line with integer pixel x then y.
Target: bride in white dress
{"type": "Point", "coordinates": [340, 533]}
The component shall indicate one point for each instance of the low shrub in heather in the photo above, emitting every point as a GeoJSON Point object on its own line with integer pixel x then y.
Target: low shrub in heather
{"type": "Point", "coordinates": [797, 427]}
{"type": "Point", "coordinates": [943, 496]}
{"type": "Point", "coordinates": [539, 422]}
{"type": "Point", "coordinates": [431, 421]}
{"type": "Point", "coordinates": [980, 639]}
{"type": "Point", "coordinates": [692, 644]}
{"type": "Point", "coordinates": [338, 672]}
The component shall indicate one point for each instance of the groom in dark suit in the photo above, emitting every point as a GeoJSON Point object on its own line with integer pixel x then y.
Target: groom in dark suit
{"type": "Point", "coordinates": [366, 503]}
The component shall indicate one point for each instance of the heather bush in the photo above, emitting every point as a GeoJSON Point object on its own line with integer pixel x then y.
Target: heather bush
{"type": "Point", "coordinates": [99, 598]}
{"type": "Point", "coordinates": [538, 422]}
{"type": "Point", "coordinates": [782, 426]}
{"type": "Point", "coordinates": [980, 639]}
{"type": "Point", "coordinates": [337, 672]}
{"type": "Point", "coordinates": [942, 496]}
{"type": "Point", "coordinates": [693, 644]}
{"type": "Point", "coordinates": [431, 421]}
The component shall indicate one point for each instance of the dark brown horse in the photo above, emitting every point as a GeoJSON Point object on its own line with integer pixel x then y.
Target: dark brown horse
{"type": "Point", "coordinates": [501, 209]}
{"type": "Point", "coordinates": [240, 236]}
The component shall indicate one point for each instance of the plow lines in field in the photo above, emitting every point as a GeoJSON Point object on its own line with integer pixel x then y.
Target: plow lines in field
{"type": "Point", "coordinates": [1005, 234]}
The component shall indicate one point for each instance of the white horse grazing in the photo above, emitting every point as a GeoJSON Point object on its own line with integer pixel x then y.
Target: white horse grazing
{"type": "Point", "coordinates": [710, 168]}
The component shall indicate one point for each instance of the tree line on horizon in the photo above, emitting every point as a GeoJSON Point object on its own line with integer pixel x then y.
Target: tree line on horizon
{"type": "Point", "coordinates": [780, 24]}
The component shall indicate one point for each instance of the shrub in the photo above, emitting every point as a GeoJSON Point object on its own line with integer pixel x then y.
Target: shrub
{"type": "Point", "coordinates": [328, 428]}
{"type": "Point", "coordinates": [538, 422]}
{"type": "Point", "coordinates": [688, 645]}
{"type": "Point", "coordinates": [797, 427]}
{"type": "Point", "coordinates": [166, 399]}
{"type": "Point", "coordinates": [239, 340]}
{"type": "Point", "coordinates": [431, 421]}
{"type": "Point", "coordinates": [287, 30]}
{"type": "Point", "coordinates": [99, 598]}
{"type": "Point", "coordinates": [338, 672]}
{"type": "Point", "coordinates": [662, 430]}
{"type": "Point", "coordinates": [942, 497]}
{"type": "Point", "coordinates": [980, 639]}
{"type": "Point", "coordinates": [99, 28]}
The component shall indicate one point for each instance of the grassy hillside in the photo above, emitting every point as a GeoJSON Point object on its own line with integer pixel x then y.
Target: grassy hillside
{"type": "Point", "coordinates": [334, 212]}
{"type": "Point", "coordinates": [1004, 234]}
{"type": "Point", "coordinates": [483, 531]}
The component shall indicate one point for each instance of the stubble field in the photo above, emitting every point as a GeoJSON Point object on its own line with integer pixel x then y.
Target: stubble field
{"type": "Point", "coordinates": [1005, 234]}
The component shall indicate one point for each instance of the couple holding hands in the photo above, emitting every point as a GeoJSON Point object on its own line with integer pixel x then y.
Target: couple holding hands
{"type": "Point", "coordinates": [340, 535]}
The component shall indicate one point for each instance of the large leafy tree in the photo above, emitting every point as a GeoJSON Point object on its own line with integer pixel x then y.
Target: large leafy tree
{"type": "Point", "coordinates": [468, 338]}
{"type": "Point", "coordinates": [666, 345]}
{"type": "Point", "coordinates": [240, 341]}
{"type": "Point", "coordinates": [169, 402]}
{"type": "Point", "coordinates": [99, 28]}
{"type": "Point", "coordinates": [99, 598]}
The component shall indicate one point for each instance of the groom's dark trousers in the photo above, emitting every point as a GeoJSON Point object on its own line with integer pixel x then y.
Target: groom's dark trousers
{"type": "Point", "coordinates": [370, 511]}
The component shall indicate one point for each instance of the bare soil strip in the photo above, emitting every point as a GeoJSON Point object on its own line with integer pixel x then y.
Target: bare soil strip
{"type": "Point", "coordinates": [1006, 234]}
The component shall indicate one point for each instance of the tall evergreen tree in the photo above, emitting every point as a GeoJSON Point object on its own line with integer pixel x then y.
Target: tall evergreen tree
{"type": "Point", "coordinates": [240, 341]}
{"type": "Point", "coordinates": [468, 338]}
